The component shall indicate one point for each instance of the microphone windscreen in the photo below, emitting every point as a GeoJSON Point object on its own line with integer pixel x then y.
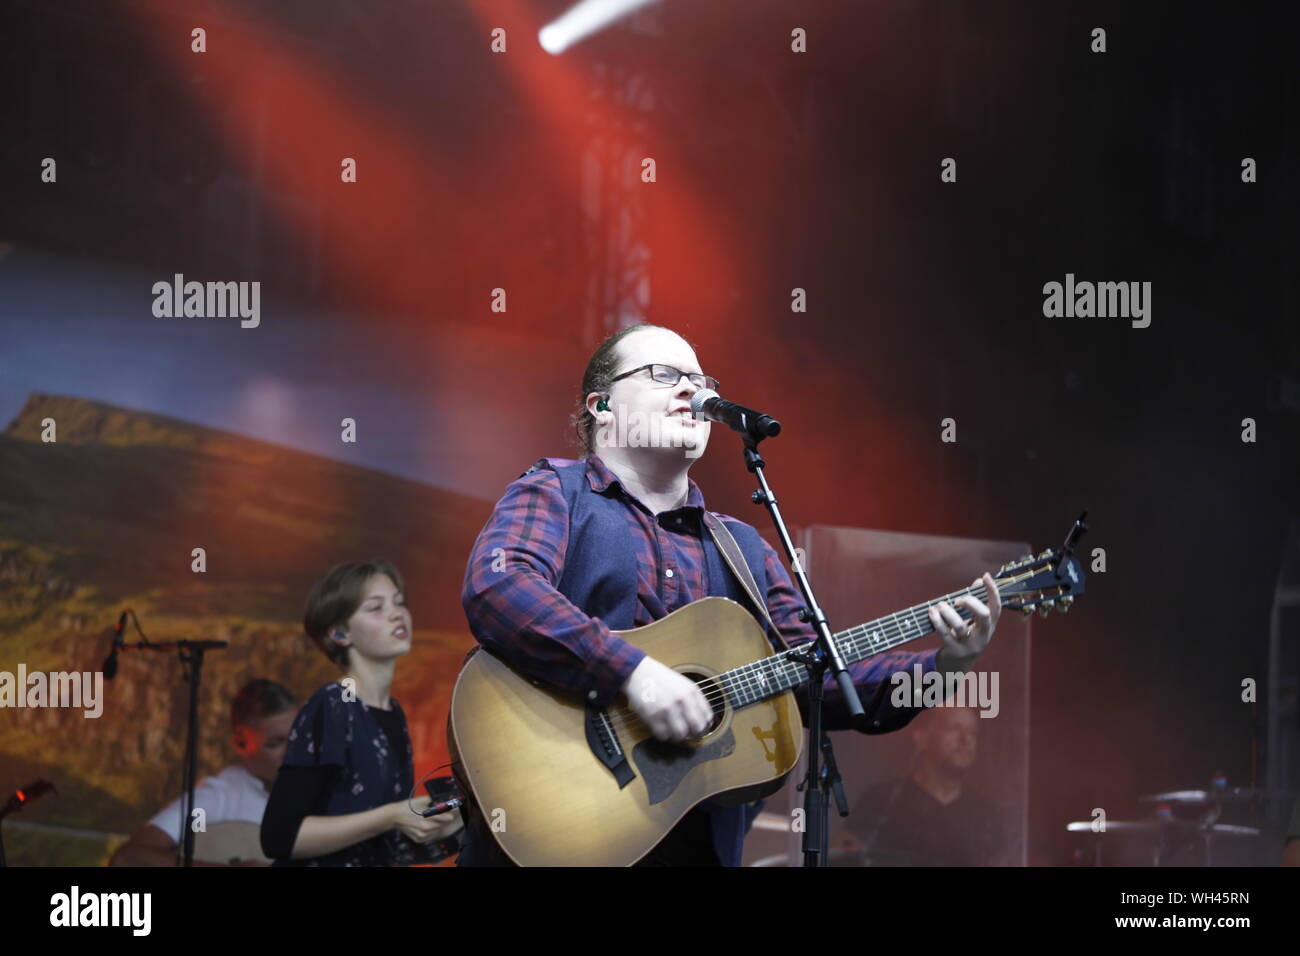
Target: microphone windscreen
{"type": "Point", "coordinates": [699, 398]}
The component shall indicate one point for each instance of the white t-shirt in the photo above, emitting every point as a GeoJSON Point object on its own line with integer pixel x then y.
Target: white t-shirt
{"type": "Point", "coordinates": [232, 795]}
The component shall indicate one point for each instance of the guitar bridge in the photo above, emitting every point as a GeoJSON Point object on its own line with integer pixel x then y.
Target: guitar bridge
{"type": "Point", "coordinates": [604, 743]}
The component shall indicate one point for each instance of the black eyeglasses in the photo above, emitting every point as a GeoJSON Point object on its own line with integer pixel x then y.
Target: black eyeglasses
{"type": "Point", "coordinates": [667, 375]}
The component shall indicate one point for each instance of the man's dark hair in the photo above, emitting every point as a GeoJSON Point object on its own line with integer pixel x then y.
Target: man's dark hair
{"type": "Point", "coordinates": [601, 367]}
{"type": "Point", "coordinates": [259, 699]}
{"type": "Point", "coordinates": [336, 597]}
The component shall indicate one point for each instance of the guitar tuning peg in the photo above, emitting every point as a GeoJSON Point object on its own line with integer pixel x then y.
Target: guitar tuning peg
{"type": "Point", "coordinates": [1065, 603]}
{"type": "Point", "coordinates": [1045, 608]}
{"type": "Point", "coordinates": [1028, 612]}
{"type": "Point", "coordinates": [1026, 557]}
{"type": "Point", "coordinates": [1047, 552]}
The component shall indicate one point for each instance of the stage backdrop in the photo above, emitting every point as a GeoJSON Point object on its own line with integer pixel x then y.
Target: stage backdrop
{"type": "Point", "coordinates": [108, 517]}
{"type": "Point", "coordinates": [860, 575]}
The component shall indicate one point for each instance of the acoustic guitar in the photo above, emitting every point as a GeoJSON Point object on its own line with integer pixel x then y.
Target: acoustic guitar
{"type": "Point", "coordinates": [562, 783]}
{"type": "Point", "coordinates": [231, 841]}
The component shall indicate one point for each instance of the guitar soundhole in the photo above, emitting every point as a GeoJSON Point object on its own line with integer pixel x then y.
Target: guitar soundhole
{"type": "Point", "coordinates": [713, 693]}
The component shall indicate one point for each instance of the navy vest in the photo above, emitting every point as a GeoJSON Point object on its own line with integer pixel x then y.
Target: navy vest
{"type": "Point", "coordinates": [600, 572]}
{"type": "Point", "coordinates": [600, 577]}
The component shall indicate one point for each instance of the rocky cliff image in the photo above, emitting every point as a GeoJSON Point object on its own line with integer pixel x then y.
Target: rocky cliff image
{"type": "Point", "coordinates": [107, 516]}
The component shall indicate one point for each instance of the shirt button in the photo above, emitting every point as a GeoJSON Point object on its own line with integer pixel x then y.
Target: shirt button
{"type": "Point", "coordinates": [668, 573]}
{"type": "Point", "coordinates": [591, 695]}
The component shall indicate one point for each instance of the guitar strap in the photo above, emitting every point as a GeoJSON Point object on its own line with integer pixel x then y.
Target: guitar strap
{"type": "Point", "coordinates": [736, 561]}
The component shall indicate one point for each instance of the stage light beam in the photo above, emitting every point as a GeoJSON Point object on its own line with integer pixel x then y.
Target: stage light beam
{"type": "Point", "coordinates": [582, 20]}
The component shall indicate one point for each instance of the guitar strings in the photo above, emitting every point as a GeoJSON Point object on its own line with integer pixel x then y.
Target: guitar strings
{"type": "Point", "coordinates": [623, 718]}
{"type": "Point", "coordinates": [741, 681]}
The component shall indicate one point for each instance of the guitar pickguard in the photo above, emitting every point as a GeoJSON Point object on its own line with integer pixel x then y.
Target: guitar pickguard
{"type": "Point", "coordinates": [664, 765]}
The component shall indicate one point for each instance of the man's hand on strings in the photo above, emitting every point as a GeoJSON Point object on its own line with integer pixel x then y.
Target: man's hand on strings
{"type": "Point", "coordinates": [965, 640]}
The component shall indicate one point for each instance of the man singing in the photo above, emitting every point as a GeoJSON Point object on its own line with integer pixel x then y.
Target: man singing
{"type": "Point", "coordinates": [576, 549]}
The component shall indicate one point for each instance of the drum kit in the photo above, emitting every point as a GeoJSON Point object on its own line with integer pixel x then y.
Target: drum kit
{"type": "Point", "coordinates": [1187, 828]}
{"type": "Point", "coordinates": [1217, 826]}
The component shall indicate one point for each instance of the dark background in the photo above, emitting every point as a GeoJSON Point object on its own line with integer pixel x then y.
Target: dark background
{"type": "Point", "coordinates": [775, 171]}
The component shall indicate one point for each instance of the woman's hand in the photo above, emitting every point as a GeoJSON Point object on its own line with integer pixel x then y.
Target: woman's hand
{"type": "Point", "coordinates": [424, 829]}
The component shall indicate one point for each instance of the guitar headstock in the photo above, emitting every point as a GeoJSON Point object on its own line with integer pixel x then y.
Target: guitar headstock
{"type": "Point", "coordinates": [1052, 580]}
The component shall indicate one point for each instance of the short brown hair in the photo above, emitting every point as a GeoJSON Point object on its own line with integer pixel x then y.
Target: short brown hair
{"type": "Point", "coordinates": [259, 699]}
{"type": "Point", "coordinates": [600, 369]}
{"type": "Point", "coordinates": [336, 597]}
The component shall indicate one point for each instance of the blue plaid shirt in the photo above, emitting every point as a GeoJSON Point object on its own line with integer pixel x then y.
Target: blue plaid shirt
{"type": "Point", "coordinates": [521, 613]}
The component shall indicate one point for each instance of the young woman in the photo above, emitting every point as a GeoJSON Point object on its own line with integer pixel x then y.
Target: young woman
{"type": "Point", "coordinates": [341, 796]}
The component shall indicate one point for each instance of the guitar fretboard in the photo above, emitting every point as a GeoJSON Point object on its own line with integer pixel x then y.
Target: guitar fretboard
{"type": "Point", "coordinates": [776, 674]}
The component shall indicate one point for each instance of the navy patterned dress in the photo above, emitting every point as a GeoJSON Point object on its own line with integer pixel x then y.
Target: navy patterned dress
{"type": "Point", "coordinates": [368, 752]}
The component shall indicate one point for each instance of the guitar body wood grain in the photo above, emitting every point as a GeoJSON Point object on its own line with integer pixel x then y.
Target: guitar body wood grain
{"type": "Point", "coordinates": [522, 748]}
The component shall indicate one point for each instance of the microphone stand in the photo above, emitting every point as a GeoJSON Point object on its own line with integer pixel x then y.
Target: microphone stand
{"type": "Point", "coordinates": [191, 655]}
{"type": "Point", "coordinates": [818, 657]}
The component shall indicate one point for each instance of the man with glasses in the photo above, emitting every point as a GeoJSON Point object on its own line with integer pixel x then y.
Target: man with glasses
{"type": "Point", "coordinates": [578, 549]}
{"type": "Point", "coordinates": [644, 428]}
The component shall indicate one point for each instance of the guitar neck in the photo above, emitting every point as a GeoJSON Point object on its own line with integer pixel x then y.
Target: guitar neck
{"type": "Point", "coordinates": [779, 673]}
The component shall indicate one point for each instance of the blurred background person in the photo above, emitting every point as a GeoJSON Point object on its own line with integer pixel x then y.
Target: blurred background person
{"type": "Point", "coordinates": [931, 817]}
{"type": "Point", "coordinates": [261, 716]}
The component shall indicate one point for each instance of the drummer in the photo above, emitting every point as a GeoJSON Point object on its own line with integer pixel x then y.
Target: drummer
{"type": "Point", "coordinates": [261, 716]}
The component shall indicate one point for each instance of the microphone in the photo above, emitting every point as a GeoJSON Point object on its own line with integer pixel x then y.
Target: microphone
{"type": "Point", "coordinates": [706, 404]}
{"type": "Point", "coordinates": [110, 662]}
{"type": "Point", "coordinates": [442, 806]}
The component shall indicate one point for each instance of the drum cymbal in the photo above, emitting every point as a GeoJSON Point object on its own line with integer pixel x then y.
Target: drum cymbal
{"type": "Point", "coordinates": [1156, 827]}
{"type": "Point", "coordinates": [1201, 798]}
